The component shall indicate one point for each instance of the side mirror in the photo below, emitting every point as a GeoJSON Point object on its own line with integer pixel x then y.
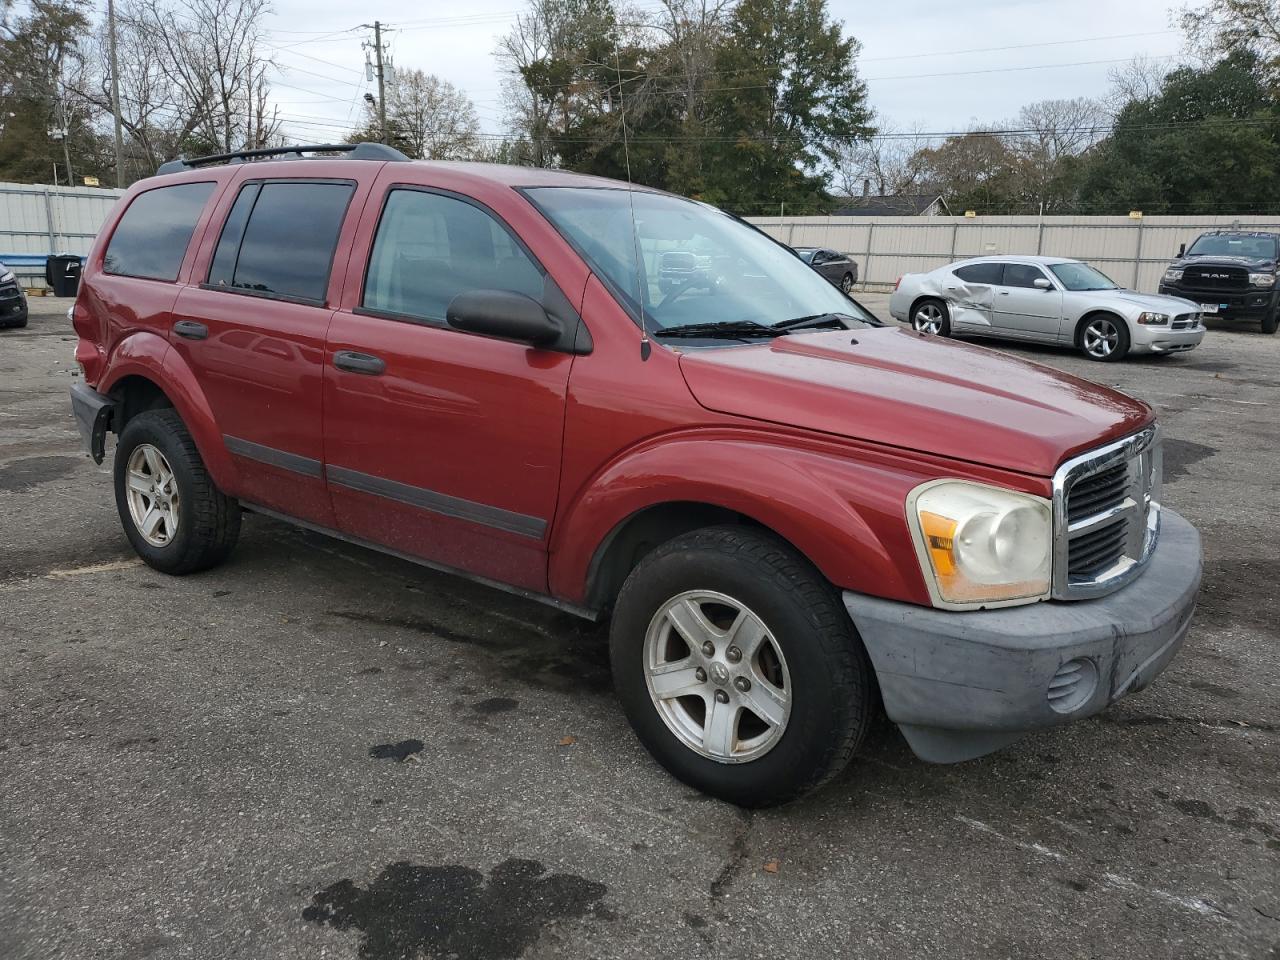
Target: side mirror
{"type": "Point", "coordinates": [1042, 283]}
{"type": "Point", "coordinates": [1182, 250]}
{"type": "Point", "coordinates": [502, 314]}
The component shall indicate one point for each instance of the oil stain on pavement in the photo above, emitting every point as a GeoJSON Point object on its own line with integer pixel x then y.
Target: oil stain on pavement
{"type": "Point", "coordinates": [31, 471]}
{"type": "Point", "coordinates": [453, 911]}
{"type": "Point", "coordinates": [399, 752]}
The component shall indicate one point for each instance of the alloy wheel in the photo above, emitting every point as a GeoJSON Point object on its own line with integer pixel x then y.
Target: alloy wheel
{"type": "Point", "coordinates": [928, 319]}
{"type": "Point", "coordinates": [717, 676]}
{"type": "Point", "coordinates": [152, 495]}
{"type": "Point", "coordinates": [846, 283]}
{"type": "Point", "coordinates": [1101, 338]}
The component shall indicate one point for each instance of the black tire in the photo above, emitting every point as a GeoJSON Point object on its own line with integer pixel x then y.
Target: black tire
{"type": "Point", "coordinates": [846, 283]}
{"type": "Point", "coordinates": [833, 693]}
{"type": "Point", "coordinates": [1121, 329]}
{"type": "Point", "coordinates": [208, 522]}
{"type": "Point", "coordinates": [918, 309]}
{"type": "Point", "coordinates": [1271, 320]}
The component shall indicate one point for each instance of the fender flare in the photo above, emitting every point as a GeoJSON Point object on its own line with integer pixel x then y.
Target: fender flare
{"type": "Point", "coordinates": [846, 516]}
{"type": "Point", "coordinates": [148, 355]}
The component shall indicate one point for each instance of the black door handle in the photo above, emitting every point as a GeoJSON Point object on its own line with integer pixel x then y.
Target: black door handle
{"type": "Point", "coordinates": [191, 329]}
{"type": "Point", "coordinates": [364, 363]}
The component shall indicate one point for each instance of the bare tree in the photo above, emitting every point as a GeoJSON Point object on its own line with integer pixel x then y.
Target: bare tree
{"type": "Point", "coordinates": [1139, 79]}
{"type": "Point", "coordinates": [887, 164]}
{"type": "Point", "coordinates": [430, 118]}
{"type": "Point", "coordinates": [1225, 26]}
{"type": "Point", "coordinates": [212, 52]}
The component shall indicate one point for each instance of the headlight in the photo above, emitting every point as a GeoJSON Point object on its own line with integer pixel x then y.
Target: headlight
{"type": "Point", "coordinates": [1262, 279]}
{"type": "Point", "coordinates": [981, 545]}
{"type": "Point", "coordinates": [1153, 319]}
{"type": "Point", "coordinates": [6, 276]}
{"type": "Point", "coordinates": [1173, 275]}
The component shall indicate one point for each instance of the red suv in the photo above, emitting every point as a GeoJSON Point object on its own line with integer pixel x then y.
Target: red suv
{"type": "Point", "coordinates": [792, 512]}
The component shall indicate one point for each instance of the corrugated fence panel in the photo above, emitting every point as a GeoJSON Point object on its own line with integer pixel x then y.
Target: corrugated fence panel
{"type": "Point", "coordinates": [1132, 251]}
{"type": "Point", "coordinates": [40, 220]}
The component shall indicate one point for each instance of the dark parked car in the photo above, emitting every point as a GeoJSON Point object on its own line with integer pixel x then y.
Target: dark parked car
{"type": "Point", "coordinates": [1231, 273]}
{"type": "Point", "coordinates": [835, 266]}
{"type": "Point", "coordinates": [13, 302]}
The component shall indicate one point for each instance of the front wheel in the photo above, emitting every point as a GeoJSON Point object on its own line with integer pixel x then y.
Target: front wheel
{"type": "Point", "coordinates": [1271, 320]}
{"type": "Point", "coordinates": [931, 316]}
{"type": "Point", "coordinates": [846, 283]}
{"type": "Point", "coordinates": [1104, 338]}
{"type": "Point", "coordinates": [173, 515]}
{"type": "Point", "coordinates": [739, 667]}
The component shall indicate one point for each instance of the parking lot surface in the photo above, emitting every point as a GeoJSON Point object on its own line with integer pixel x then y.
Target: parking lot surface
{"type": "Point", "coordinates": [319, 751]}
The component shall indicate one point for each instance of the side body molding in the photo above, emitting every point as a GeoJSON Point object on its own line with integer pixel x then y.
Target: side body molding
{"type": "Point", "coordinates": [845, 515]}
{"type": "Point", "coordinates": [149, 355]}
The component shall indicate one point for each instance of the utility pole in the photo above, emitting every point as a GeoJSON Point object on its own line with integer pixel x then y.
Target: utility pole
{"type": "Point", "coordinates": [115, 91]}
{"type": "Point", "coordinates": [382, 85]}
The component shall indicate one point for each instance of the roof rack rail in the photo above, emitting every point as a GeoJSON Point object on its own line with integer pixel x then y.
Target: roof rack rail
{"type": "Point", "coordinates": [354, 151]}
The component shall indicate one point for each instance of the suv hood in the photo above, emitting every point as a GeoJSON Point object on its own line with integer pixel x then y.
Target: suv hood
{"type": "Point", "coordinates": [891, 386]}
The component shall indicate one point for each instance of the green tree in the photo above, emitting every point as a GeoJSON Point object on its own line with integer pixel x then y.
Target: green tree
{"type": "Point", "coordinates": [785, 99]}
{"type": "Point", "coordinates": [1206, 143]}
{"type": "Point", "coordinates": [39, 53]}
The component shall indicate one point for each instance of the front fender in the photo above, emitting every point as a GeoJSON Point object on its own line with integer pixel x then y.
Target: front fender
{"type": "Point", "coordinates": [847, 516]}
{"type": "Point", "coordinates": [148, 355]}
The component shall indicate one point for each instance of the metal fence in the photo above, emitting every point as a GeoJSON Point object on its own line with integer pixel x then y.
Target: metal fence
{"type": "Point", "coordinates": [1132, 251]}
{"type": "Point", "coordinates": [38, 220]}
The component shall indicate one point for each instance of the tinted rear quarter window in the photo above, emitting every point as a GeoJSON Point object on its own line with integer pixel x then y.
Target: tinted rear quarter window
{"type": "Point", "coordinates": [280, 237]}
{"type": "Point", "coordinates": [152, 237]}
{"type": "Point", "coordinates": [980, 272]}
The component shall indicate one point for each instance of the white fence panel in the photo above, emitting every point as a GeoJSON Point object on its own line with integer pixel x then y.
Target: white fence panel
{"type": "Point", "coordinates": [1132, 251]}
{"type": "Point", "coordinates": [37, 220]}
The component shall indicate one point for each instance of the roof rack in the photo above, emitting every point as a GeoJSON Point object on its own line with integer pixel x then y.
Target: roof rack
{"type": "Point", "coordinates": [354, 151]}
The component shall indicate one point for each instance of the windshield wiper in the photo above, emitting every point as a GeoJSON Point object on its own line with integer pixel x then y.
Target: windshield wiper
{"type": "Point", "coordinates": [734, 329]}
{"type": "Point", "coordinates": [815, 320]}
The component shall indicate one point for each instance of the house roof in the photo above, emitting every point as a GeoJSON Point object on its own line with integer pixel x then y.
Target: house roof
{"type": "Point", "coordinates": [899, 205]}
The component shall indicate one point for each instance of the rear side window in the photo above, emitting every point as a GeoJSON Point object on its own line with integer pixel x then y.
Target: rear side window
{"type": "Point", "coordinates": [429, 248]}
{"type": "Point", "coordinates": [280, 237]}
{"type": "Point", "coordinates": [980, 272]}
{"type": "Point", "coordinates": [151, 238]}
{"type": "Point", "coordinates": [1021, 275]}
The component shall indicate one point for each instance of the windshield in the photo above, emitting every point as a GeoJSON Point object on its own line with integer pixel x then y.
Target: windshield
{"type": "Point", "coordinates": [805, 255]}
{"type": "Point", "coordinates": [1081, 276]}
{"type": "Point", "coordinates": [697, 265]}
{"type": "Point", "coordinates": [1226, 245]}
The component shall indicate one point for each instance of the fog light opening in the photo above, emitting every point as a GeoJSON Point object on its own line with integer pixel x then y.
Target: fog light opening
{"type": "Point", "coordinates": [1073, 685]}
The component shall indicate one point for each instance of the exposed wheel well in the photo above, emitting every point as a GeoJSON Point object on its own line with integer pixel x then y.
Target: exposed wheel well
{"type": "Point", "coordinates": [1084, 321]}
{"type": "Point", "coordinates": [921, 299]}
{"type": "Point", "coordinates": [135, 395]}
{"type": "Point", "coordinates": [631, 540]}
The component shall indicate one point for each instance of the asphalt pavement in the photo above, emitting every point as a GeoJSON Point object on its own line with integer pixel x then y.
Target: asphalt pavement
{"type": "Point", "coordinates": [319, 751]}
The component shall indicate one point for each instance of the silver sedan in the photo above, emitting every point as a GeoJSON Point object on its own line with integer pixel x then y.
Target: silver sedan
{"type": "Point", "coordinates": [1048, 300]}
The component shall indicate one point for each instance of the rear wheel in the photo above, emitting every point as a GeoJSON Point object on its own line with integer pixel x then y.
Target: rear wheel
{"type": "Point", "coordinates": [846, 283]}
{"type": "Point", "coordinates": [1105, 338]}
{"type": "Point", "coordinates": [173, 515]}
{"type": "Point", "coordinates": [931, 316]}
{"type": "Point", "coordinates": [739, 667]}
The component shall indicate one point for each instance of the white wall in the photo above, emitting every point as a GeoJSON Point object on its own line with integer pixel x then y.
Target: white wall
{"type": "Point", "coordinates": [1132, 252]}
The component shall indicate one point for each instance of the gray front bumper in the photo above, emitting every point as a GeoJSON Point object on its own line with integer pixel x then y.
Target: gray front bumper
{"type": "Point", "coordinates": [960, 685]}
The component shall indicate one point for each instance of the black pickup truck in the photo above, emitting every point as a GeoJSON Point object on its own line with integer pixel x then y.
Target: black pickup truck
{"type": "Point", "coordinates": [1229, 272]}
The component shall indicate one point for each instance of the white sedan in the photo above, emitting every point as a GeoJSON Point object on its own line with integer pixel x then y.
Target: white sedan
{"type": "Point", "coordinates": [1047, 300]}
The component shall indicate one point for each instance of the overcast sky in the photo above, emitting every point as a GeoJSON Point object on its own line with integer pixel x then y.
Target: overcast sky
{"type": "Point", "coordinates": [937, 63]}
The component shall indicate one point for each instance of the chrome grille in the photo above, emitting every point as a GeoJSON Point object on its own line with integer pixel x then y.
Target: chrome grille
{"type": "Point", "coordinates": [1184, 321]}
{"type": "Point", "coordinates": [1106, 507]}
